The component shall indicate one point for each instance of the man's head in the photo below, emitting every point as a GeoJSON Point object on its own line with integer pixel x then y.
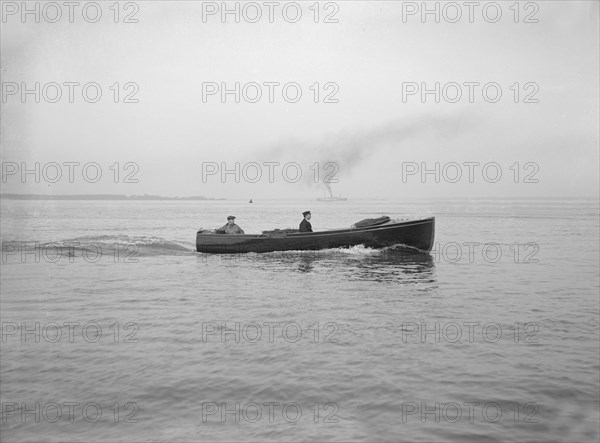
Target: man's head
{"type": "Point", "coordinates": [306, 215]}
{"type": "Point", "coordinates": [231, 219]}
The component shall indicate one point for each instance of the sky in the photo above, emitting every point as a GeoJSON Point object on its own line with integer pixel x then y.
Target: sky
{"type": "Point", "coordinates": [161, 125]}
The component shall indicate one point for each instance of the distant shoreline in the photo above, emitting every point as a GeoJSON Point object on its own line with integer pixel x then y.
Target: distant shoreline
{"type": "Point", "coordinates": [100, 197]}
{"type": "Point", "coordinates": [147, 197]}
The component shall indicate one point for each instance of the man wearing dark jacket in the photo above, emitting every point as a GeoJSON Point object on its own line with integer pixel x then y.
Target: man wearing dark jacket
{"type": "Point", "coordinates": [230, 227]}
{"type": "Point", "coordinates": [305, 225]}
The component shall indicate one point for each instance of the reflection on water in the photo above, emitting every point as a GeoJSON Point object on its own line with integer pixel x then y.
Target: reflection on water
{"type": "Point", "coordinates": [397, 265]}
{"type": "Point", "coordinates": [306, 264]}
{"type": "Point", "coordinates": [358, 263]}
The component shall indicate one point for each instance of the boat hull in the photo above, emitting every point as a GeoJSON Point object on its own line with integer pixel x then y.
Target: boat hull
{"type": "Point", "coordinates": [418, 234]}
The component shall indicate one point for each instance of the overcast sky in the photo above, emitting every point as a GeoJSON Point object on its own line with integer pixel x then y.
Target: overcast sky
{"type": "Point", "coordinates": [374, 134]}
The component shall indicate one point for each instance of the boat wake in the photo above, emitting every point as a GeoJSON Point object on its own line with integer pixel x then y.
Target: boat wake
{"type": "Point", "coordinates": [363, 250]}
{"type": "Point", "coordinates": [92, 248]}
{"type": "Point", "coordinates": [357, 252]}
{"type": "Point", "coordinates": [130, 248]}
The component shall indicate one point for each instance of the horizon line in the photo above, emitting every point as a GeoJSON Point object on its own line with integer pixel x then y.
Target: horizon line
{"type": "Point", "coordinates": [18, 196]}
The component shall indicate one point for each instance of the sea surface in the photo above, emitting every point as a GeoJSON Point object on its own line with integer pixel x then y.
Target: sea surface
{"type": "Point", "coordinates": [115, 329]}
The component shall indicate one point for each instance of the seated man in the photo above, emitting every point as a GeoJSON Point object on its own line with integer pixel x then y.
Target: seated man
{"type": "Point", "coordinates": [305, 225]}
{"type": "Point", "coordinates": [230, 227]}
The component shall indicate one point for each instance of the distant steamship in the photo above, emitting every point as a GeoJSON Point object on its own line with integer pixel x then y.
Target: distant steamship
{"type": "Point", "coordinates": [332, 198]}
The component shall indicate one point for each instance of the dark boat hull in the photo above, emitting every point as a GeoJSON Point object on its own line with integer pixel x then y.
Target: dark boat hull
{"type": "Point", "coordinates": [416, 234]}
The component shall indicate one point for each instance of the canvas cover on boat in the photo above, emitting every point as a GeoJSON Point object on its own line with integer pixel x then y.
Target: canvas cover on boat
{"type": "Point", "coordinates": [372, 222]}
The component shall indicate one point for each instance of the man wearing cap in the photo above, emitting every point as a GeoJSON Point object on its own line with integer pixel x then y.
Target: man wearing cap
{"type": "Point", "coordinates": [305, 225]}
{"type": "Point", "coordinates": [230, 227]}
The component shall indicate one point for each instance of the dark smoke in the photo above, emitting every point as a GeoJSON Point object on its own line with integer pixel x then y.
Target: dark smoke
{"type": "Point", "coordinates": [350, 148]}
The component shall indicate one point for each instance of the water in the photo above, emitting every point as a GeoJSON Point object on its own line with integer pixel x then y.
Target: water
{"type": "Point", "coordinates": [496, 339]}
